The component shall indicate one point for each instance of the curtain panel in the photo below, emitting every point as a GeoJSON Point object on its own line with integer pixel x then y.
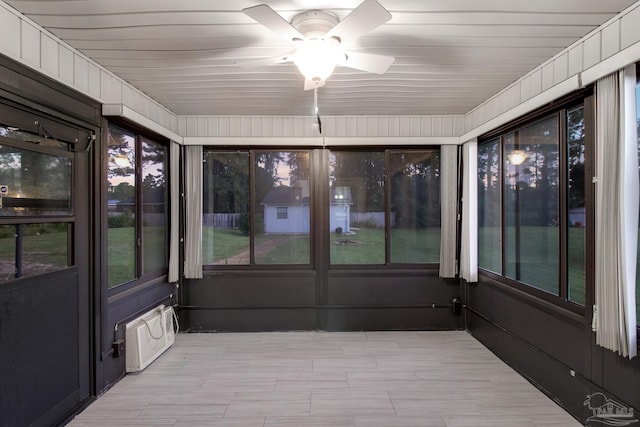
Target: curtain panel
{"type": "Point", "coordinates": [448, 206]}
{"type": "Point", "coordinates": [193, 212]}
{"type": "Point", "coordinates": [469, 241]}
{"type": "Point", "coordinates": [616, 213]}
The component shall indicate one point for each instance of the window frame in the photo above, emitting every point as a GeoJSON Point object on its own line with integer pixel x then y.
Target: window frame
{"type": "Point", "coordinates": [558, 108]}
{"type": "Point", "coordinates": [140, 136]}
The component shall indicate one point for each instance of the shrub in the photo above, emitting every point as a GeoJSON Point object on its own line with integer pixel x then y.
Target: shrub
{"type": "Point", "coordinates": [121, 221]}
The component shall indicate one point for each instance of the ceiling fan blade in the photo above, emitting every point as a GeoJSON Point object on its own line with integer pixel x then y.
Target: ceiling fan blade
{"type": "Point", "coordinates": [266, 61]}
{"type": "Point", "coordinates": [312, 84]}
{"type": "Point", "coordinates": [268, 17]}
{"type": "Point", "coordinates": [378, 64]}
{"type": "Point", "coordinates": [364, 18]}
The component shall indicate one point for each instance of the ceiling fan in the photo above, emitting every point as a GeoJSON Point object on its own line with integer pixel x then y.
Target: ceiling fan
{"type": "Point", "coordinates": [318, 39]}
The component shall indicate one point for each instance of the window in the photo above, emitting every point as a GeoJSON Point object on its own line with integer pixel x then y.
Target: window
{"type": "Point", "coordinates": [375, 194]}
{"type": "Point", "coordinates": [226, 215]}
{"type": "Point", "coordinates": [489, 204]}
{"type": "Point", "coordinates": [136, 214]}
{"type": "Point", "coordinates": [415, 206]}
{"type": "Point", "coordinates": [357, 209]}
{"type": "Point", "coordinates": [282, 213]}
{"type": "Point", "coordinates": [36, 222]}
{"type": "Point", "coordinates": [531, 200]}
{"type": "Point", "coordinates": [577, 218]}
{"type": "Point", "coordinates": [526, 232]}
{"type": "Point", "coordinates": [383, 207]}
{"type": "Point", "coordinates": [256, 208]}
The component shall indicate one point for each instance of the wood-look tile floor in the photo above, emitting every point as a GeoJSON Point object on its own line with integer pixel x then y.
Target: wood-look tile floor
{"type": "Point", "coordinates": [432, 379]}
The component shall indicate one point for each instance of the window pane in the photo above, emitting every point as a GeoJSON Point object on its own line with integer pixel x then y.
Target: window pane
{"type": "Point", "coordinates": [531, 205]}
{"type": "Point", "coordinates": [415, 207]}
{"type": "Point", "coordinates": [489, 207]}
{"type": "Point", "coordinates": [36, 183]}
{"type": "Point", "coordinates": [577, 210]}
{"type": "Point", "coordinates": [7, 252]}
{"type": "Point", "coordinates": [154, 194]}
{"type": "Point", "coordinates": [44, 248]}
{"type": "Point", "coordinates": [31, 249]}
{"type": "Point", "coordinates": [121, 235]}
{"type": "Point", "coordinates": [225, 222]}
{"type": "Point", "coordinates": [357, 221]}
{"type": "Point", "coordinates": [281, 181]}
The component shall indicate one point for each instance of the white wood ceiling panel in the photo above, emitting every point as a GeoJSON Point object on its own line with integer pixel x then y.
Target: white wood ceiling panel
{"type": "Point", "coordinates": [450, 54]}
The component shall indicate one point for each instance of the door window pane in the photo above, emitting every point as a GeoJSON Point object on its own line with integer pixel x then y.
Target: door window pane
{"type": "Point", "coordinates": [225, 222]}
{"type": "Point", "coordinates": [281, 181]}
{"type": "Point", "coordinates": [7, 252]}
{"type": "Point", "coordinates": [154, 234]}
{"type": "Point", "coordinates": [356, 208]}
{"type": "Point", "coordinates": [415, 207]}
{"type": "Point", "coordinates": [44, 248]}
{"type": "Point", "coordinates": [531, 205]}
{"type": "Point", "coordinates": [489, 207]}
{"type": "Point", "coordinates": [121, 234]}
{"type": "Point", "coordinates": [34, 183]}
{"type": "Point", "coordinates": [31, 249]}
{"type": "Point", "coordinates": [577, 210]}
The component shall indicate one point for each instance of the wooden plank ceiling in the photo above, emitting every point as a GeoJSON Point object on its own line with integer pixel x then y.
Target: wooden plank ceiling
{"type": "Point", "coordinates": [450, 54]}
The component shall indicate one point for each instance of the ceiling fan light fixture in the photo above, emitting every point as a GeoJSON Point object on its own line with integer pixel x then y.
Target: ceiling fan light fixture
{"type": "Point", "coordinates": [317, 58]}
{"type": "Point", "coordinates": [517, 157]}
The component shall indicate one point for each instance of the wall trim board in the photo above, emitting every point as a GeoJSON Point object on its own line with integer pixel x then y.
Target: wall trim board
{"type": "Point", "coordinates": [612, 64]}
{"type": "Point", "coordinates": [320, 141]}
{"type": "Point", "coordinates": [398, 140]}
{"type": "Point", "coordinates": [253, 141]}
{"type": "Point", "coordinates": [569, 85]}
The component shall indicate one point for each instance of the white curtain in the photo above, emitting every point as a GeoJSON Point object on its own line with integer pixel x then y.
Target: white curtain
{"type": "Point", "coordinates": [193, 212]}
{"type": "Point", "coordinates": [469, 238]}
{"type": "Point", "coordinates": [616, 213]}
{"type": "Point", "coordinates": [448, 208]}
{"type": "Point", "coordinates": [174, 206]}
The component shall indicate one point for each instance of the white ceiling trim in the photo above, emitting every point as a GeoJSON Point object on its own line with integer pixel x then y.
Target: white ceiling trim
{"type": "Point", "coordinates": [121, 110]}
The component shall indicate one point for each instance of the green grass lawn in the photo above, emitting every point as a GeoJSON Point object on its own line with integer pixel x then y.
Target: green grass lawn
{"type": "Point", "coordinates": [366, 246]}
{"type": "Point", "coordinates": [121, 247]}
{"type": "Point", "coordinates": [282, 249]}
{"type": "Point", "coordinates": [539, 255]}
{"type": "Point", "coordinates": [220, 244]}
{"type": "Point", "coordinates": [44, 248]}
{"type": "Point", "coordinates": [415, 245]}
{"type": "Point", "coordinates": [121, 250]}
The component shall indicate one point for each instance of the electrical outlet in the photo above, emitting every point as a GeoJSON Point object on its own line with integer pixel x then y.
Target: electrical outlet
{"type": "Point", "coordinates": [118, 348]}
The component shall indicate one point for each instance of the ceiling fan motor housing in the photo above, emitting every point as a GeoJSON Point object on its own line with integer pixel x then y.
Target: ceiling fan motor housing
{"type": "Point", "coordinates": [315, 23]}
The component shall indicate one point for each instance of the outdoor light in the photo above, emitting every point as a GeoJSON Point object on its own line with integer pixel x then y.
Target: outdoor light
{"type": "Point", "coordinates": [516, 157]}
{"type": "Point", "coordinates": [317, 58]}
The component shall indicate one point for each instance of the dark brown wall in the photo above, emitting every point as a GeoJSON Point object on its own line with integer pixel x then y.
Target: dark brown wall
{"type": "Point", "coordinates": [546, 343]}
{"type": "Point", "coordinates": [301, 300]}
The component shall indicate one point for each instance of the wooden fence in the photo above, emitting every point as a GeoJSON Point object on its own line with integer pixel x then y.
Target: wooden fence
{"type": "Point", "coordinates": [226, 221]}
